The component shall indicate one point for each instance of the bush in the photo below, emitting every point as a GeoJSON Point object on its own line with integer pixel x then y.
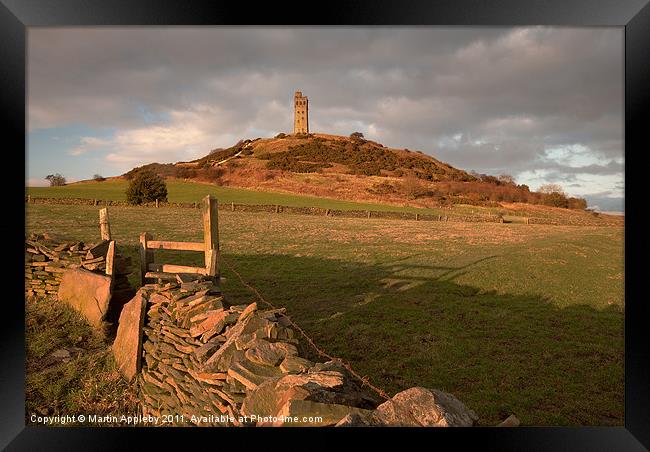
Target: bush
{"type": "Point", "coordinates": [99, 178]}
{"type": "Point", "coordinates": [556, 199]}
{"type": "Point", "coordinates": [356, 135]}
{"type": "Point", "coordinates": [56, 180]}
{"type": "Point", "coordinates": [185, 173]}
{"type": "Point", "coordinates": [281, 135]}
{"type": "Point", "coordinates": [146, 186]}
{"type": "Point", "coordinates": [577, 203]}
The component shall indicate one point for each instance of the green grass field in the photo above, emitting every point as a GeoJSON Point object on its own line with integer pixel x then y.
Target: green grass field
{"type": "Point", "coordinates": [511, 318]}
{"type": "Point", "coordinates": [182, 191]}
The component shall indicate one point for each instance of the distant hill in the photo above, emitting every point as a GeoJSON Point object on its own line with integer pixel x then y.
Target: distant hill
{"type": "Point", "coordinates": [350, 168]}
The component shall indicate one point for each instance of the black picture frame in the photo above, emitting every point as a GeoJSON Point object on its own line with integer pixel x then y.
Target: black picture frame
{"type": "Point", "coordinates": [633, 15]}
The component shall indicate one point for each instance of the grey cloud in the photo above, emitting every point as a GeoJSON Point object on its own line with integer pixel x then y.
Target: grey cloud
{"type": "Point", "coordinates": [510, 93]}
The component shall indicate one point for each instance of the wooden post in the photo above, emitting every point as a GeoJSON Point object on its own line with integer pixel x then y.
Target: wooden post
{"type": "Point", "coordinates": [277, 208]}
{"type": "Point", "coordinates": [195, 204]}
{"type": "Point", "coordinates": [146, 256]}
{"type": "Point", "coordinates": [327, 212]}
{"type": "Point", "coordinates": [156, 203]}
{"type": "Point", "coordinates": [417, 217]}
{"type": "Point", "coordinates": [94, 202]}
{"type": "Point", "coordinates": [232, 206]}
{"type": "Point", "coordinates": [211, 236]}
{"type": "Point", "coordinates": [527, 220]}
{"type": "Point", "coordinates": [104, 225]}
{"type": "Point", "coordinates": [439, 217]}
{"type": "Point", "coordinates": [110, 261]}
{"type": "Point", "coordinates": [368, 214]}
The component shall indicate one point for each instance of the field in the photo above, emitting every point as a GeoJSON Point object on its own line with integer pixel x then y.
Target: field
{"type": "Point", "coordinates": [182, 191]}
{"type": "Point", "coordinates": [510, 318]}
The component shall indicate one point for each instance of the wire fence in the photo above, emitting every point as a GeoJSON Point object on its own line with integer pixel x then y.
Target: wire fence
{"type": "Point", "coordinates": [365, 380]}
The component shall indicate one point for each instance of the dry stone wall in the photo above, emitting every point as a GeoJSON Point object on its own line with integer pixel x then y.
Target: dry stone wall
{"type": "Point", "coordinates": [47, 258]}
{"type": "Point", "coordinates": [209, 363]}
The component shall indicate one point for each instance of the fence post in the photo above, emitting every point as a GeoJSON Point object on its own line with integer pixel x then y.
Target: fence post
{"type": "Point", "coordinates": [156, 203]}
{"type": "Point", "coordinates": [327, 212]}
{"type": "Point", "coordinates": [146, 256]}
{"type": "Point", "coordinates": [104, 225]}
{"type": "Point", "coordinates": [211, 236]}
{"type": "Point", "coordinates": [368, 214]}
{"type": "Point", "coordinates": [232, 206]}
{"type": "Point", "coordinates": [110, 259]}
{"type": "Point", "coordinates": [277, 208]}
{"type": "Point", "coordinates": [417, 217]}
{"type": "Point", "coordinates": [94, 202]}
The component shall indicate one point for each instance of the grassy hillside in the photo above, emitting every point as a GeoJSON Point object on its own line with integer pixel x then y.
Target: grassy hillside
{"type": "Point", "coordinates": [186, 191]}
{"type": "Point", "coordinates": [511, 319]}
{"type": "Point", "coordinates": [352, 169]}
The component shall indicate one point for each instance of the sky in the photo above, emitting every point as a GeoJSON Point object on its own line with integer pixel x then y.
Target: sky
{"type": "Point", "coordinates": [543, 104]}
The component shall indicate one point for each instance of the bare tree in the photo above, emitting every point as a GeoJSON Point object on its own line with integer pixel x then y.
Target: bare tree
{"type": "Point", "coordinates": [550, 188]}
{"type": "Point", "coordinates": [56, 180]}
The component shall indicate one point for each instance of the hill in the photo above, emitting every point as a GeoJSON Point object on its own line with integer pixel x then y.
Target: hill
{"type": "Point", "coordinates": [353, 169]}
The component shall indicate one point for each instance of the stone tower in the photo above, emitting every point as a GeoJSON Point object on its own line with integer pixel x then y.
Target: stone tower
{"type": "Point", "coordinates": [300, 113]}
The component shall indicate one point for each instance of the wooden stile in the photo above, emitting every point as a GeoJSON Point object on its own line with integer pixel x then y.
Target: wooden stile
{"type": "Point", "coordinates": [146, 256]}
{"type": "Point", "coordinates": [211, 235]}
{"type": "Point", "coordinates": [179, 246]}
{"type": "Point", "coordinates": [210, 248]}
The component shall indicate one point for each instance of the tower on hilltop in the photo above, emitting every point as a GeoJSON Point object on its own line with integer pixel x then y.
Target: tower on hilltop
{"type": "Point", "coordinates": [300, 113]}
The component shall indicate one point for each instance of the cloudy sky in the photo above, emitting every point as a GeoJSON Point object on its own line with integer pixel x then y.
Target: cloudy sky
{"type": "Point", "coordinates": [542, 104]}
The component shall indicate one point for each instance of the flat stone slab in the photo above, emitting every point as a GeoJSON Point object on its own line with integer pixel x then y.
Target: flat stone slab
{"type": "Point", "coordinates": [127, 347]}
{"type": "Point", "coordinates": [87, 292]}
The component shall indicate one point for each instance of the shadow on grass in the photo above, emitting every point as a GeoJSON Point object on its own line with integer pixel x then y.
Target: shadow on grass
{"type": "Point", "coordinates": [499, 353]}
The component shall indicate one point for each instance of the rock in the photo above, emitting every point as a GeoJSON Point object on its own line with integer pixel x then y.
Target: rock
{"type": "Point", "coordinates": [511, 421]}
{"type": "Point", "coordinates": [99, 250]}
{"type": "Point", "coordinates": [267, 353]}
{"type": "Point", "coordinates": [251, 375]}
{"type": "Point", "coordinates": [87, 292]}
{"type": "Point", "coordinates": [420, 407]}
{"type": "Point", "coordinates": [360, 420]}
{"type": "Point", "coordinates": [213, 323]}
{"type": "Point", "coordinates": [127, 347]}
{"type": "Point", "coordinates": [295, 365]}
{"type": "Point", "coordinates": [314, 413]}
{"type": "Point", "coordinates": [61, 354]}
{"type": "Point", "coordinates": [270, 396]}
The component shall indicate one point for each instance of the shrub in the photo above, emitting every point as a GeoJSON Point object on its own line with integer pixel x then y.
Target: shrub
{"type": "Point", "coordinates": [382, 188]}
{"type": "Point", "coordinates": [412, 187]}
{"type": "Point", "coordinates": [556, 199]}
{"type": "Point", "coordinates": [56, 180]}
{"type": "Point", "coordinates": [99, 178]}
{"type": "Point", "coordinates": [356, 135]}
{"type": "Point", "coordinates": [185, 173]}
{"type": "Point", "coordinates": [146, 186]}
{"type": "Point", "coordinates": [281, 135]}
{"type": "Point", "coordinates": [577, 203]}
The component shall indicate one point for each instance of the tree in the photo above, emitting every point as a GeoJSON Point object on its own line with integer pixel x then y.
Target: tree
{"type": "Point", "coordinates": [56, 180]}
{"type": "Point", "coordinates": [146, 186]}
{"type": "Point", "coordinates": [412, 187]}
{"type": "Point", "coordinates": [556, 199]}
{"type": "Point", "coordinates": [356, 135]}
{"type": "Point", "coordinates": [99, 178]}
{"type": "Point", "coordinates": [550, 188]}
{"type": "Point", "coordinates": [507, 179]}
